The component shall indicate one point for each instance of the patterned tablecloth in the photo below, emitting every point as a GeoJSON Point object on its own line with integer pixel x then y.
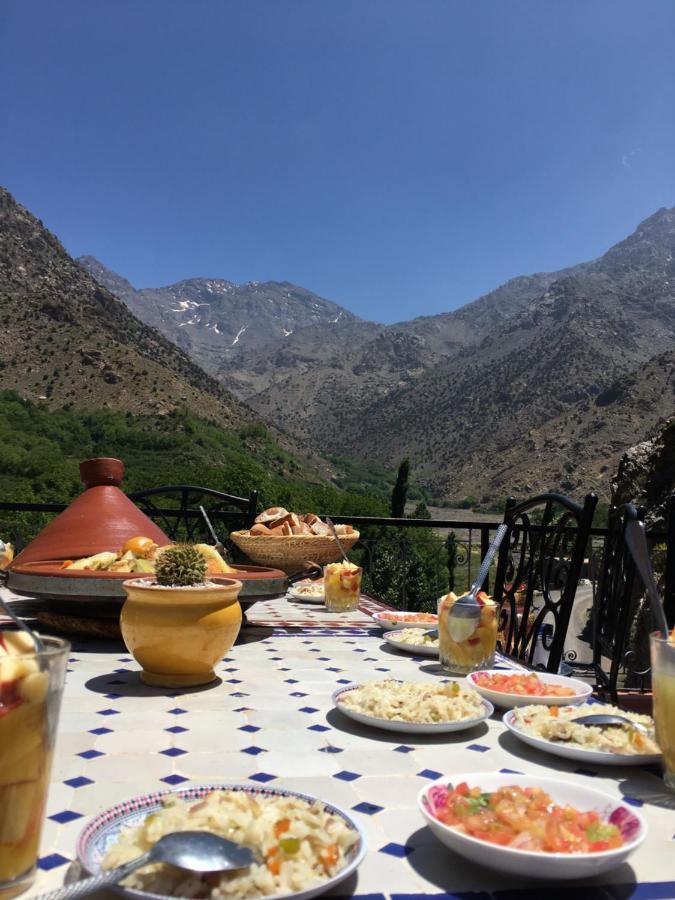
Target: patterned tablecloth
{"type": "Point", "coordinates": [271, 719]}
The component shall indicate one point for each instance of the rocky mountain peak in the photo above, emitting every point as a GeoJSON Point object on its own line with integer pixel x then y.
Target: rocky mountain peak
{"type": "Point", "coordinates": [215, 320]}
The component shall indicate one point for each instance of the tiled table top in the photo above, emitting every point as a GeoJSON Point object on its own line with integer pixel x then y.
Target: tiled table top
{"type": "Point", "coordinates": [270, 719]}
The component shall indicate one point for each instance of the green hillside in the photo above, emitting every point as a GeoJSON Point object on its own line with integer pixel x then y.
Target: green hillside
{"type": "Point", "coordinates": [40, 450]}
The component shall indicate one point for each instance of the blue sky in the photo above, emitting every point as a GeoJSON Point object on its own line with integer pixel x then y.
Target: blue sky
{"type": "Point", "coordinates": [400, 157]}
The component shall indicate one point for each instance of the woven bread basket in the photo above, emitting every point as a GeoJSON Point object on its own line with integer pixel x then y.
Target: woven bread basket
{"type": "Point", "coordinates": [290, 552]}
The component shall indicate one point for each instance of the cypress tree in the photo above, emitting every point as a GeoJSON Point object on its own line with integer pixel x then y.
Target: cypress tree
{"type": "Point", "coordinates": [400, 491]}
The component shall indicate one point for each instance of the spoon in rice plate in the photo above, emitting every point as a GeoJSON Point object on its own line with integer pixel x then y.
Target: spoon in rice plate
{"type": "Point", "coordinates": [602, 719]}
{"type": "Point", "coordinates": [196, 851]}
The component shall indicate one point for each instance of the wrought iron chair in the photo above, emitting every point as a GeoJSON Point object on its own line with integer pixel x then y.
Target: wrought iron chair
{"type": "Point", "coordinates": [175, 508]}
{"type": "Point", "coordinates": [546, 557]}
{"type": "Point", "coordinates": [615, 606]}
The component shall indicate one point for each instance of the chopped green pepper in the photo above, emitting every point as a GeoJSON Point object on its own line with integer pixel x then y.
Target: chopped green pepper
{"type": "Point", "coordinates": [290, 846]}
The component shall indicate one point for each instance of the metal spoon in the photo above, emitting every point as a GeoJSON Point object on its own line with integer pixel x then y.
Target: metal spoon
{"type": "Point", "coordinates": [39, 646]}
{"type": "Point", "coordinates": [601, 719]}
{"type": "Point", "coordinates": [217, 543]}
{"type": "Point", "coordinates": [637, 544]}
{"type": "Point", "coordinates": [196, 851]}
{"type": "Point", "coordinates": [335, 535]}
{"type": "Point", "coordinates": [466, 611]}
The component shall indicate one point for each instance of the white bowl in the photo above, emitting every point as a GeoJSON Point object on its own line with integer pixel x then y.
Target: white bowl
{"type": "Point", "coordinates": [384, 621]}
{"type": "Point", "coordinates": [529, 863]}
{"type": "Point", "coordinates": [582, 690]}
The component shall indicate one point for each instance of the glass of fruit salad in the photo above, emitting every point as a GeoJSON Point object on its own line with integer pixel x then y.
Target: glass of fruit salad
{"type": "Point", "coordinates": [663, 685]}
{"type": "Point", "coordinates": [342, 586]}
{"type": "Point", "coordinates": [463, 646]}
{"type": "Point", "coordinates": [31, 685]}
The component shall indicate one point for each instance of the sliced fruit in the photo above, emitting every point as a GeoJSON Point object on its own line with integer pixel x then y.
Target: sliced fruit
{"type": "Point", "coordinates": [140, 546]}
{"type": "Point", "coordinates": [216, 565]}
{"type": "Point", "coordinates": [96, 562]}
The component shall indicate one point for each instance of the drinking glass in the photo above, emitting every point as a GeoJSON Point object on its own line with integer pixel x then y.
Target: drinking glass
{"type": "Point", "coordinates": [663, 686]}
{"type": "Point", "coordinates": [473, 651]}
{"type": "Point", "coordinates": [342, 586]}
{"type": "Point", "coordinates": [31, 685]}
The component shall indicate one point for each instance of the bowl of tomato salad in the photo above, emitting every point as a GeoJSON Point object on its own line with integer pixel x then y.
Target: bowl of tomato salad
{"type": "Point", "coordinates": [532, 826]}
{"type": "Point", "coordinates": [509, 689]}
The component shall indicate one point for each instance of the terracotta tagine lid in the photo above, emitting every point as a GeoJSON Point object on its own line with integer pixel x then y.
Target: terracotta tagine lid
{"type": "Point", "coordinates": [101, 518]}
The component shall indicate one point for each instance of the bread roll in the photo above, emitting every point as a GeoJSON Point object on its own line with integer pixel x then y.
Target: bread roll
{"type": "Point", "coordinates": [271, 515]}
{"type": "Point", "coordinates": [302, 528]}
{"type": "Point", "coordinates": [320, 527]}
{"type": "Point", "coordinates": [259, 528]}
{"type": "Point", "coordinates": [344, 529]}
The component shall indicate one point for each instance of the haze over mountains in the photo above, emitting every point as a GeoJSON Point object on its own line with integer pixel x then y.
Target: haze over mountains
{"type": "Point", "coordinates": [541, 383]}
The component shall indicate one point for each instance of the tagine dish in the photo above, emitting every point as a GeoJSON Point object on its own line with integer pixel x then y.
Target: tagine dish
{"type": "Point", "coordinates": [139, 555]}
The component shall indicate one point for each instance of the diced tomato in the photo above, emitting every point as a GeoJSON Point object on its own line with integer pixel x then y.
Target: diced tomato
{"type": "Point", "coordinates": [281, 826]}
{"type": "Point", "coordinates": [329, 856]}
{"type": "Point", "coordinates": [526, 819]}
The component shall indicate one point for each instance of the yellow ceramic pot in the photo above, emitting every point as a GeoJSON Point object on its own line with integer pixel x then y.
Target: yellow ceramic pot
{"type": "Point", "coordinates": [178, 634]}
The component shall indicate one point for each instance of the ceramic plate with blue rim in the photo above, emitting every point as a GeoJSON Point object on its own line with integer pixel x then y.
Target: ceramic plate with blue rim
{"type": "Point", "coordinates": [576, 752]}
{"type": "Point", "coordinates": [408, 727]}
{"type": "Point", "coordinates": [103, 831]}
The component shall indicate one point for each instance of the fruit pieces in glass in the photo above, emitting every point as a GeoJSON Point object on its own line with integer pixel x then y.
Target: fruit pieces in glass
{"type": "Point", "coordinates": [663, 685]}
{"type": "Point", "coordinates": [30, 693]}
{"type": "Point", "coordinates": [342, 586]}
{"type": "Point", "coordinates": [477, 650]}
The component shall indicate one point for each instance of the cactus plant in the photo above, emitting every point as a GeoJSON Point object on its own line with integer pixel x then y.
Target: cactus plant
{"type": "Point", "coordinates": [180, 566]}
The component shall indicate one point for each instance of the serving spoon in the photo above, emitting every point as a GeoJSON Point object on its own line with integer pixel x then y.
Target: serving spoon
{"type": "Point", "coordinates": [195, 851]}
{"type": "Point", "coordinates": [465, 613]}
{"type": "Point", "coordinates": [637, 544]}
{"type": "Point", "coordinates": [332, 527]}
{"type": "Point", "coordinates": [602, 719]}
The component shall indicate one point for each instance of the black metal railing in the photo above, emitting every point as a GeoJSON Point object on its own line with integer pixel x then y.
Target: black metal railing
{"type": "Point", "coordinates": [407, 562]}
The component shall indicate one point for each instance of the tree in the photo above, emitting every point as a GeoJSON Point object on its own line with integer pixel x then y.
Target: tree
{"type": "Point", "coordinates": [400, 490]}
{"type": "Point", "coordinates": [421, 511]}
{"type": "Point", "coordinates": [451, 545]}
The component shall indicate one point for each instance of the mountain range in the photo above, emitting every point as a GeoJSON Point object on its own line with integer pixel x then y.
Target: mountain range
{"type": "Point", "coordinates": [69, 342]}
{"type": "Point", "coordinates": [541, 383]}
{"type": "Point", "coordinates": [210, 318]}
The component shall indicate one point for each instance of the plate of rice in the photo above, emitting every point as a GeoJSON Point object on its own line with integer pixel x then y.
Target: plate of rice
{"type": "Point", "coordinates": [412, 640]}
{"type": "Point", "coordinates": [552, 729]}
{"type": "Point", "coordinates": [413, 706]}
{"type": "Point", "coordinates": [306, 846]}
{"type": "Point", "coordinates": [309, 591]}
